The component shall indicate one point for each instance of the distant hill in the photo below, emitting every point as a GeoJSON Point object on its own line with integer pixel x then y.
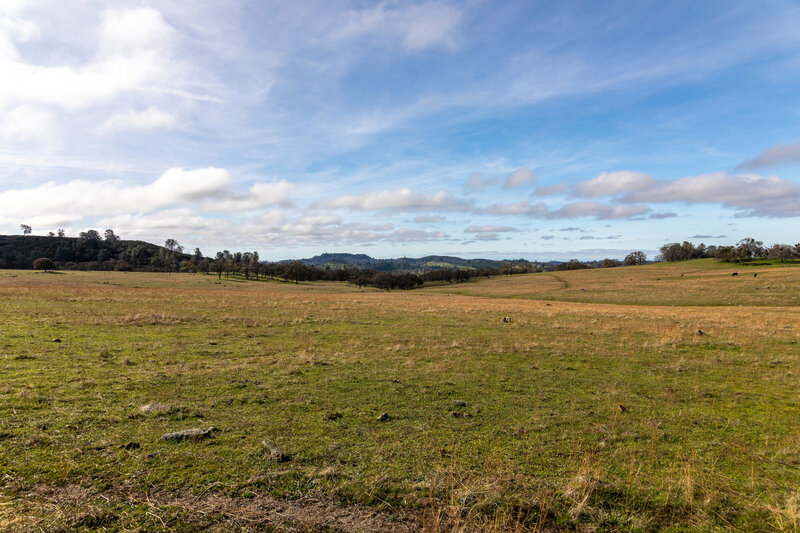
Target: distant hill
{"type": "Point", "coordinates": [20, 251]}
{"type": "Point", "coordinates": [408, 264]}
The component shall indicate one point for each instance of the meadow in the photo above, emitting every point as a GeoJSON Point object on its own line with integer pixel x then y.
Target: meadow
{"type": "Point", "coordinates": [648, 398]}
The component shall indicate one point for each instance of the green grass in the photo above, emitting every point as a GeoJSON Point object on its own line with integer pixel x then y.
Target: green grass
{"type": "Point", "coordinates": [708, 438]}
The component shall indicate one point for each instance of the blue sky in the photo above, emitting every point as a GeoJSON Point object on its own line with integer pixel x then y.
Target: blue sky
{"type": "Point", "coordinates": [545, 130]}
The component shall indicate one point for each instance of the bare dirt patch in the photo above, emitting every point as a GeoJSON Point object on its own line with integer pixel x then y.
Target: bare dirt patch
{"type": "Point", "coordinates": [71, 507]}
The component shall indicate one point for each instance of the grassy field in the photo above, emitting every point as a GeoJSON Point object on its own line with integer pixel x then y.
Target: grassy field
{"type": "Point", "coordinates": [600, 409]}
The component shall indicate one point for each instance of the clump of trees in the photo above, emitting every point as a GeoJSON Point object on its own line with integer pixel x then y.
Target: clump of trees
{"type": "Point", "coordinates": [675, 251]}
{"type": "Point", "coordinates": [572, 264]}
{"type": "Point", "coordinates": [635, 258]}
{"type": "Point", "coordinates": [745, 250]}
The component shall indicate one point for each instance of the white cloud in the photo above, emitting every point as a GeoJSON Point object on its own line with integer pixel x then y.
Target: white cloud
{"type": "Point", "coordinates": [598, 211]}
{"type": "Point", "coordinates": [125, 31]}
{"type": "Point", "coordinates": [487, 237]}
{"type": "Point", "coordinates": [775, 156]}
{"type": "Point", "coordinates": [133, 53]}
{"type": "Point", "coordinates": [610, 183]}
{"type": "Point", "coordinates": [519, 208]}
{"type": "Point", "coordinates": [150, 118]}
{"type": "Point", "coordinates": [321, 220]}
{"type": "Point", "coordinates": [752, 195]}
{"type": "Point", "coordinates": [25, 123]}
{"type": "Point", "coordinates": [211, 186]}
{"type": "Point", "coordinates": [331, 231]}
{"type": "Point", "coordinates": [429, 219]}
{"type": "Point", "coordinates": [258, 195]}
{"type": "Point", "coordinates": [489, 229]}
{"type": "Point", "coordinates": [519, 178]}
{"type": "Point", "coordinates": [161, 224]}
{"type": "Point", "coordinates": [398, 199]}
{"type": "Point", "coordinates": [573, 210]}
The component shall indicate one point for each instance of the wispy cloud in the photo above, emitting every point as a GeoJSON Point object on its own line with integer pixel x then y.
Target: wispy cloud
{"type": "Point", "coordinates": [150, 118]}
{"type": "Point", "coordinates": [418, 26]}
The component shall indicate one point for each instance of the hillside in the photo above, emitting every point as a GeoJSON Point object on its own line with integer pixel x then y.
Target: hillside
{"type": "Point", "coordinates": [20, 251]}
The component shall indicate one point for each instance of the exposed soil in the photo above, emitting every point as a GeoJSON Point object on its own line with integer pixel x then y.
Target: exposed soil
{"type": "Point", "coordinates": [49, 508]}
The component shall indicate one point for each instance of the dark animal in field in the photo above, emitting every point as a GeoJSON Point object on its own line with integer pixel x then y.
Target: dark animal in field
{"type": "Point", "coordinates": [506, 319]}
{"type": "Point", "coordinates": [735, 274]}
{"type": "Point", "coordinates": [755, 275]}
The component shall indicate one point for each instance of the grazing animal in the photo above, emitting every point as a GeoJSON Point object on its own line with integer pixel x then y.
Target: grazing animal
{"type": "Point", "coordinates": [735, 274]}
{"type": "Point", "coordinates": [755, 275]}
{"type": "Point", "coordinates": [506, 319]}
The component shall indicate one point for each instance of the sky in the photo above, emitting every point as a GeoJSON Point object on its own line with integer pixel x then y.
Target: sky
{"type": "Point", "coordinates": [499, 129]}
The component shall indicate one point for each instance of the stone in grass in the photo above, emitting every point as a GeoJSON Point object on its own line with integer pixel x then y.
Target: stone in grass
{"type": "Point", "coordinates": [275, 451]}
{"type": "Point", "coordinates": [459, 414]}
{"type": "Point", "coordinates": [699, 332]}
{"type": "Point", "coordinates": [383, 417]}
{"type": "Point", "coordinates": [154, 407]}
{"type": "Point", "coordinates": [188, 434]}
{"type": "Point", "coordinates": [459, 403]}
{"type": "Point", "coordinates": [56, 340]}
{"type": "Point", "coordinates": [130, 446]}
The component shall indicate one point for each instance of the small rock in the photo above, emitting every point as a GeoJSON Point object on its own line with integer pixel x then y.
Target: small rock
{"type": "Point", "coordinates": [333, 416]}
{"type": "Point", "coordinates": [56, 340]}
{"type": "Point", "coordinates": [188, 434]}
{"type": "Point", "coordinates": [506, 319]}
{"type": "Point", "coordinates": [468, 500]}
{"type": "Point", "coordinates": [383, 417]}
{"type": "Point", "coordinates": [459, 403]}
{"type": "Point", "coordinates": [459, 414]}
{"type": "Point", "coordinates": [130, 446]}
{"type": "Point", "coordinates": [699, 332]}
{"type": "Point", "coordinates": [154, 408]}
{"type": "Point", "coordinates": [275, 451]}
{"type": "Point", "coordinates": [622, 408]}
